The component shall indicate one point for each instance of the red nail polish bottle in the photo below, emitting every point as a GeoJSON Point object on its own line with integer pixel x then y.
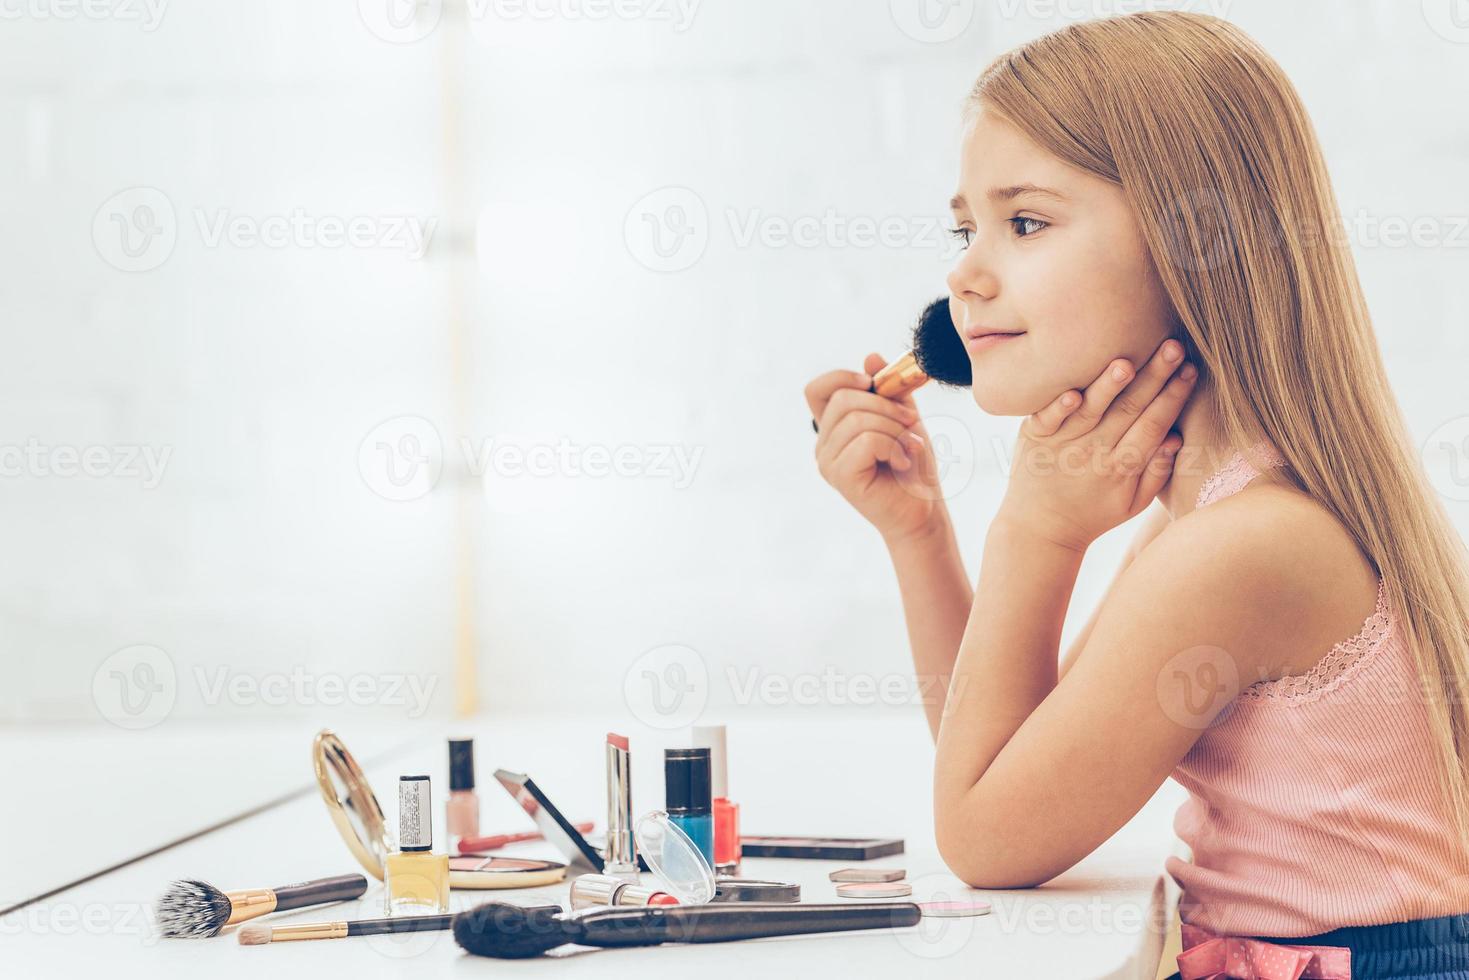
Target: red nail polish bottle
{"type": "Point", "coordinates": [726, 814]}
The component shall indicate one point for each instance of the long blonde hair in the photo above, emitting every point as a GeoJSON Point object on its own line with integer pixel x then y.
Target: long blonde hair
{"type": "Point", "coordinates": [1213, 148]}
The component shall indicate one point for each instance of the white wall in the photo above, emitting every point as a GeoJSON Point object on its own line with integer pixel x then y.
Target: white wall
{"type": "Point", "coordinates": [539, 148]}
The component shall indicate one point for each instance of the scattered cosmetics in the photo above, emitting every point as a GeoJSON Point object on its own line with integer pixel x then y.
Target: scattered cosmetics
{"type": "Point", "coordinates": [868, 874]}
{"type": "Point", "coordinates": [681, 846]}
{"type": "Point", "coordinates": [874, 889]}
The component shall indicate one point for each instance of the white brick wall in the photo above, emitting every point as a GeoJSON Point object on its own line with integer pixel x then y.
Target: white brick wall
{"type": "Point", "coordinates": [528, 141]}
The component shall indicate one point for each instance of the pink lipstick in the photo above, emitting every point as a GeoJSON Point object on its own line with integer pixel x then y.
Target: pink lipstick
{"type": "Point", "coordinates": [620, 857]}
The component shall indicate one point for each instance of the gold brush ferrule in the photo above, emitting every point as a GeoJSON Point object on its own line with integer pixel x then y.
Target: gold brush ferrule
{"type": "Point", "coordinates": [310, 930]}
{"type": "Point", "coordinates": [249, 903]}
{"type": "Point", "coordinates": [899, 377]}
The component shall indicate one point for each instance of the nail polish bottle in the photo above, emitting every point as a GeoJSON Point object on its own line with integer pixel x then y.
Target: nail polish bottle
{"type": "Point", "coordinates": [463, 806]}
{"type": "Point", "coordinates": [417, 879]}
{"type": "Point", "coordinates": [726, 813]}
{"type": "Point", "coordinates": [686, 796]}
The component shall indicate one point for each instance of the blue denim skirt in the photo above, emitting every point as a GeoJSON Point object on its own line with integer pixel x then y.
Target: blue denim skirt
{"type": "Point", "coordinates": [1423, 949]}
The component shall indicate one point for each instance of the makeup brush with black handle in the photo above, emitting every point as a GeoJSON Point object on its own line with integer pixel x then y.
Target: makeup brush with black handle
{"type": "Point", "coordinates": [511, 933]}
{"type": "Point", "coordinates": [197, 910]}
{"type": "Point", "coordinates": [936, 354]}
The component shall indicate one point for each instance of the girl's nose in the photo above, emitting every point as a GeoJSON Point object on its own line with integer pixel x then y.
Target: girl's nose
{"type": "Point", "coordinates": [972, 278]}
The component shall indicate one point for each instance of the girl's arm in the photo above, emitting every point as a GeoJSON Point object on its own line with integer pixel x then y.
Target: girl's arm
{"type": "Point", "coordinates": [1153, 523]}
{"type": "Point", "coordinates": [936, 603]}
{"type": "Point", "coordinates": [1032, 776]}
{"type": "Point", "coordinates": [1082, 466]}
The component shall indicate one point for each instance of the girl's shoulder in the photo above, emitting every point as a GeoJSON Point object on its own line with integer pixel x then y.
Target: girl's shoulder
{"type": "Point", "coordinates": [1284, 577]}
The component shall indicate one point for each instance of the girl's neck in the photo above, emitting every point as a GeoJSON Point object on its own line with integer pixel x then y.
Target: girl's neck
{"type": "Point", "coordinates": [1204, 452]}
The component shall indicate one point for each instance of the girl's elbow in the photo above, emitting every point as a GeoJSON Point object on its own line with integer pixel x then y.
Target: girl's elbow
{"type": "Point", "coordinates": [978, 858]}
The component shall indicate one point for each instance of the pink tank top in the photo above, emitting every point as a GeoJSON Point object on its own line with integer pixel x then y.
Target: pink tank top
{"type": "Point", "coordinates": [1313, 801]}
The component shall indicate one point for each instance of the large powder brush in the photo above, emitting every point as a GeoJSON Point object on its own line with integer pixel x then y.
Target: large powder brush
{"type": "Point", "coordinates": [507, 932]}
{"type": "Point", "coordinates": [937, 354]}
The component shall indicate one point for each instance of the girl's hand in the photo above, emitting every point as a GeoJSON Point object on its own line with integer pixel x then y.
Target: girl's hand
{"type": "Point", "coordinates": [1085, 464]}
{"type": "Point", "coordinates": [875, 451]}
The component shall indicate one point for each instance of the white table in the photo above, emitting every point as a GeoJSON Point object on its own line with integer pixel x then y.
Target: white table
{"type": "Point", "coordinates": [797, 773]}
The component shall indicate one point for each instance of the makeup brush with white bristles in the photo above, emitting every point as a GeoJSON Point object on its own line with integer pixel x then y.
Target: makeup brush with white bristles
{"type": "Point", "coordinates": [197, 910]}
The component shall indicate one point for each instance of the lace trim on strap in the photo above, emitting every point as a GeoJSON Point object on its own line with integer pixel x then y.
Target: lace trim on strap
{"type": "Point", "coordinates": [1339, 665]}
{"type": "Point", "coordinates": [1236, 472]}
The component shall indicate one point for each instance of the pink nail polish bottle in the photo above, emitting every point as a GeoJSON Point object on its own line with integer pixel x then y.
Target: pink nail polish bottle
{"type": "Point", "coordinates": [463, 805]}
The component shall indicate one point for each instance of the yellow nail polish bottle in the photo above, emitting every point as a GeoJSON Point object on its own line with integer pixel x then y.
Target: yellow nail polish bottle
{"type": "Point", "coordinates": [417, 878]}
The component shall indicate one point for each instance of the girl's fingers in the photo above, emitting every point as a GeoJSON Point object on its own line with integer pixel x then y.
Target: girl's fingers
{"type": "Point", "coordinates": [858, 455]}
{"type": "Point", "coordinates": [1147, 433]}
{"type": "Point", "coordinates": [925, 470]}
{"type": "Point", "coordinates": [1099, 395]}
{"type": "Point", "coordinates": [1136, 398]}
{"type": "Point", "coordinates": [820, 390]}
{"type": "Point", "coordinates": [846, 400]}
{"type": "Point", "coordinates": [831, 442]}
{"type": "Point", "coordinates": [1049, 419]}
{"type": "Point", "coordinates": [1157, 472]}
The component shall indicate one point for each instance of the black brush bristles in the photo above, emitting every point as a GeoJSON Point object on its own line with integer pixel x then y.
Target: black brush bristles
{"type": "Point", "coordinates": [508, 932]}
{"type": "Point", "coordinates": [192, 910]}
{"type": "Point", "coordinates": [939, 348]}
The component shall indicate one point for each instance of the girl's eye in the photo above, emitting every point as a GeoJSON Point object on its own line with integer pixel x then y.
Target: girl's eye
{"type": "Point", "coordinates": [1025, 227]}
{"type": "Point", "coordinates": [962, 234]}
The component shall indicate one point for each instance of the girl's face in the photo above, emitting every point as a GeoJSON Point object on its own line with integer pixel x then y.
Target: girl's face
{"type": "Point", "coordinates": [1055, 257]}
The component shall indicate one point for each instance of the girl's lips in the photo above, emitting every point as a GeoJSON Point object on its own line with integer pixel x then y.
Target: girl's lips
{"type": "Point", "coordinates": [990, 340]}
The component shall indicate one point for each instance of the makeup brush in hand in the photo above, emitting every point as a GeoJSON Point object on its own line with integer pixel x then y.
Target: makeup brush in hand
{"type": "Point", "coordinates": [510, 933]}
{"type": "Point", "coordinates": [196, 910]}
{"type": "Point", "coordinates": [937, 354]}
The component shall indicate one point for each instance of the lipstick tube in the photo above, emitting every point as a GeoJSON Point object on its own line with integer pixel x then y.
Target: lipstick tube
{"type": "Point", "coordinates": [590, 890]}
{"type": "Point", "coordinates": [620, 855]}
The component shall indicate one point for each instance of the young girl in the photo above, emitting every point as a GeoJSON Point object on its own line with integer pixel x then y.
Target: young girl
{"type": "Point", "coordinates": [1155, 275]}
